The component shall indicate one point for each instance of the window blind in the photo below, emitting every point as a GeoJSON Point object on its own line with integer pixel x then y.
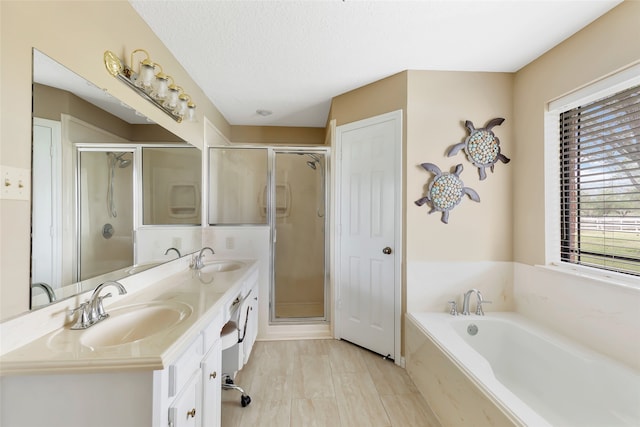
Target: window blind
{"type": "Point", "coordinates": [600, 183]}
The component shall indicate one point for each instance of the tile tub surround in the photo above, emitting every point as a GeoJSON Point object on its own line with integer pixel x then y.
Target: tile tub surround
{"type": "Point", "coordinates": [602, 315]}
{"type": "Point", "coordinates": [431, 284]}
{"type": "Point", "coordinates": [324, 383]}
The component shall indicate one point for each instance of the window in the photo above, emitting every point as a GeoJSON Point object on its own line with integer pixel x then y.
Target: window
{"type": "Point", "coordinates": [600, 183]}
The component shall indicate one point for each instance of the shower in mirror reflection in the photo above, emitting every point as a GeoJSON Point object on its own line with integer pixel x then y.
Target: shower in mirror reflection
{"type": "Point", "coordinates": [115, 160]}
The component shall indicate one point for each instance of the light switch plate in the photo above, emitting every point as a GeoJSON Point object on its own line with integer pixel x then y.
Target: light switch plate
{"type": "Point", "coordinates": [15, 183]}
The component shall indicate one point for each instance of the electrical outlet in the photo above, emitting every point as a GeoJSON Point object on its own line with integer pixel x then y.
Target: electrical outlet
{"type": "Point", "coordinates": [230, 243]}
{"type": "Point", "coordinates": [16, 183]}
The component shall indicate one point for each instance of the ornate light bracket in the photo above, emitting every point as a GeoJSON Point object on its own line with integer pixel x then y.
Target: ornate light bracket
{"type": "Point", "coordinates": [152, 86]}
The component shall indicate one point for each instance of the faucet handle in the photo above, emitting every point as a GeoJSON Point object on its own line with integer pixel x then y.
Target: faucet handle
{"type": "Point", "coordinates": [83, 321]}
{"type": "Point", "coordinates": [479, 310]}
{"type": "Point", "coordinates": [454, 308]}
{"type": "Point", "coordinates": [100, 313]}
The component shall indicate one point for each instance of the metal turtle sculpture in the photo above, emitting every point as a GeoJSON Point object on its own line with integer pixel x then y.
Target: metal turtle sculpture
{"type": "Point", "coordinates": [482, 147]}
{"type": "Point", "coordinates": [445, 191]}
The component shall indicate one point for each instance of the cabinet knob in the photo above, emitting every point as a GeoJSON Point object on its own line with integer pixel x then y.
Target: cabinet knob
{"type": "Point", "coordinates": [213, 375]}
{"type": "Point", "coordinates": [191, 413]}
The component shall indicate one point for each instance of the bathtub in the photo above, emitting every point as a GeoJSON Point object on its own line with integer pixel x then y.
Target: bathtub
{"type": "Point", "coordinates": [503, 370]}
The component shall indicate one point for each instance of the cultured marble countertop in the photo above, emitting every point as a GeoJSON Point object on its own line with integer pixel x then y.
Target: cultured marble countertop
{"type": "Point", "coordinates": [61, 351]}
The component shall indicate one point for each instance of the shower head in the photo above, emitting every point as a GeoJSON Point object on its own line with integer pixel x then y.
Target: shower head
{"type": "Point", "coordinates": [123, 163]}
{"type": "Point", "coordinates": [312, 165]}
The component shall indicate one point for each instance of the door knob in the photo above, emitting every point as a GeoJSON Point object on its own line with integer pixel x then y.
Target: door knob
{"type": "Point", "coordinates": [387, 250]}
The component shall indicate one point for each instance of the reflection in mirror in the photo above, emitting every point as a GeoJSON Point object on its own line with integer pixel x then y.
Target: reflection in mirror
{"type": "Point", "coordinates": [106, 223]}
{"type": "Point", "coordinates": [171, 180]}
{"type": "Point", "coordinates": [87, 152]}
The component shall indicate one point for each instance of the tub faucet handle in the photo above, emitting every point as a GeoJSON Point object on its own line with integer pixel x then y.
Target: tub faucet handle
{"type": "Point", "coordinates": [479, 310]}
{"type": "Point", "coordinates": [454, 308]}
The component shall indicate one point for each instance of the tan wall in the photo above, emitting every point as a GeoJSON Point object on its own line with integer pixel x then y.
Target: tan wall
{"type": "Point", "coordinates": [383, 96]}
{"type": "Point", "coordinates": [50, 103]}
{"type": "Point", "coordinates": [76, 34]}
{"type": "Point", "coordinates": [277, 135]}
{"type": "Point", "coordinates": [608, 44]}
{"type": "Point", "coordinates": [439, 103]}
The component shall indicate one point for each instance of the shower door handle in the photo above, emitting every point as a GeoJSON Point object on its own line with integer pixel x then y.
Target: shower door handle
{"type": "Point", "coordinates": [387, 251]}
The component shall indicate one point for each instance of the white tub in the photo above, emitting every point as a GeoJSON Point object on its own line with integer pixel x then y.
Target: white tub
{"type": "Point", "coordinates": [520, 373]}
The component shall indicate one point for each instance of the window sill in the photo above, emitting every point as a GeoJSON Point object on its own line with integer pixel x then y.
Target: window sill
{"type": "Point", "coordinates": [608, 278]}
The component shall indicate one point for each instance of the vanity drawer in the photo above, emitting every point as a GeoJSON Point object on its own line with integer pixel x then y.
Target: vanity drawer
{"type": "Point", "coordinates": [183, 368]}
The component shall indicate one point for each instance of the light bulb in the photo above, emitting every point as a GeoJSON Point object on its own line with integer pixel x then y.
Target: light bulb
{"type": "Point", "coordinates": [182, 105]}
{"type": "Point", "coordinates": [146, 75]}
{"type": "Point", "coordinates": [161, 86]}
{"type": "Point", "coordinates": [191, 111]}
{"type": "Point", "coordinates": [172, 97]}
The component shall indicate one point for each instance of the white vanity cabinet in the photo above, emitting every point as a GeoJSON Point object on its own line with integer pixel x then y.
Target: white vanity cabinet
{"type": "Point", "coordinates": [129, 391]}
{"type": "Point", "coordinates": [186, 409]}
{"type": "Point", "coordinates": [193, 382]}
{"type": "Point", "coordinates": [211, 387]}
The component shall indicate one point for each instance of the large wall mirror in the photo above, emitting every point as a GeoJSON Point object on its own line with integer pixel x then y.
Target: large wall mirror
{"type": "Point", "coordinates": [113, 193]}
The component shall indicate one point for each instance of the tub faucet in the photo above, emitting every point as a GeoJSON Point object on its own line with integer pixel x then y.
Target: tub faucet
{"type": "Point", "coordinates": [172, 249]}
{"type": "Point", "coordinates": [48, 290]}
{"type": "Point", "coordinates": [465, 302]}
{"type": "Point", "coordinates": [197, 263]}
{"type": "Point", "coordinates": [92, 311]}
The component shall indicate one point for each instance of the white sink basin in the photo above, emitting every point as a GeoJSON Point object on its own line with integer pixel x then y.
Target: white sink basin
{"type": "Point", "coordinates": [222, 266]}
{"type": "Point", "coordinates": [135, 322]}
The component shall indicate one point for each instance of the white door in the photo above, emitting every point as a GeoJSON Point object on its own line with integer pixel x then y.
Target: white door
{"type": "Point", "coordinates": [369, 230]}
{"type": "Point", "coordinates": [46, 245]}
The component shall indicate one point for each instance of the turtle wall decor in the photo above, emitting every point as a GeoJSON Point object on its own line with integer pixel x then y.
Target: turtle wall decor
{"type": "Point", "coordinates": [445, 190]}
{"type": "Point", "coordinates": [482, 147]}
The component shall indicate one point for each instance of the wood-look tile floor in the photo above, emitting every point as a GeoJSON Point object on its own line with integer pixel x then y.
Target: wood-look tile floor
{"type": "Point", "coordinates": [311, 383]}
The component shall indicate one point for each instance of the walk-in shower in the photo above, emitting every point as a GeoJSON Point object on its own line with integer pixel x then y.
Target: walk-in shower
{"type": "Point", "coordinates": [299, 249]}
{"type": "Point", "coordinates": [284, 188]}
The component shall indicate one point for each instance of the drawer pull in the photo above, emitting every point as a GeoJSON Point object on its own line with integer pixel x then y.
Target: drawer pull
{"type": "Point", "coordinates": [213, 375]}
{"type": "Point", "coordinates": [191, 413]}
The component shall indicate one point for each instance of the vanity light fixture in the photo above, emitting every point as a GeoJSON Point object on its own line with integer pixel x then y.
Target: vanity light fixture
{"type": "Point", "coordinates": [150, 82]}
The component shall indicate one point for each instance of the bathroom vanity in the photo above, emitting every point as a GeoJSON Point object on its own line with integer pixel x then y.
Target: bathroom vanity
{"type": "Point", "coordinates": [154, 362]}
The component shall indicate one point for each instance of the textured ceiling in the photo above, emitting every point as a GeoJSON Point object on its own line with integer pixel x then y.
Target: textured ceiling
{"type": "Point", "coordinates": [292, 57]}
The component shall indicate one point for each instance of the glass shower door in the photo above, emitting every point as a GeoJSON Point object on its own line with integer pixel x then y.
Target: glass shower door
{"type": "Point", "coordinates": [298, 215]}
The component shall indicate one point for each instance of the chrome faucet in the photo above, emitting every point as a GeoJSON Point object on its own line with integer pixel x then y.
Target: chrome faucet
{"type": "Point", "coordinates": [196, 261]}
{"type": "Point", "coordinates": [465, 302]}
{"type": "Point", "coordinates": [92, 311]}
{"type": "Point", "coordinates": [172, 249]}
{"type": "Point", "coordinates": [48, 290]}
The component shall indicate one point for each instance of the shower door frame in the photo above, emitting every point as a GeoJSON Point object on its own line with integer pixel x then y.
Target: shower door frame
{"type": "Point", "coordinates": [271, 156]}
